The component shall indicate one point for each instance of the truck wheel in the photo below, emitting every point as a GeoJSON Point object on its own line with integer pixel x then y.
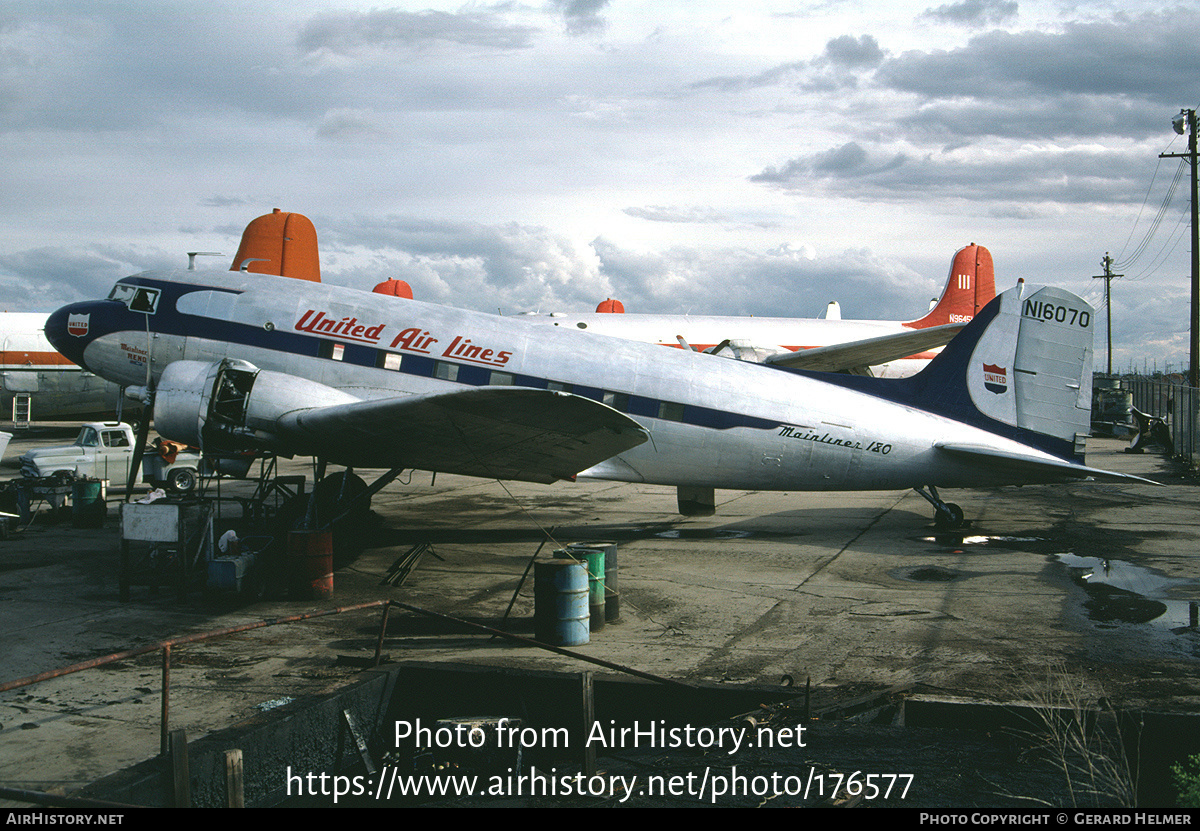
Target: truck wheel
{"type": "Point", "coordinates": [182, 480]}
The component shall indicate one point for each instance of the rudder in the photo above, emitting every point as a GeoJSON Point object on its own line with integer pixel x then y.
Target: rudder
{"type": "Point", "coordinates": [970, 286]}
{"type": "Point", "coordinates": [1025, 362]}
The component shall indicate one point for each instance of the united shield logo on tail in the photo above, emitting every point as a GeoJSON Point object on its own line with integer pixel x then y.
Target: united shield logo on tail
{"type": "Point", "coordinates": [995, 378]}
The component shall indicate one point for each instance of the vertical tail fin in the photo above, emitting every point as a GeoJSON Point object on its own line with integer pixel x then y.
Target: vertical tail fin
{"type": "Point", "coordinates": [280, 243]}
{"type": "Point", "coordinates": [970, 286]}
{"type": "Point", "coordinates": [1022, 367]}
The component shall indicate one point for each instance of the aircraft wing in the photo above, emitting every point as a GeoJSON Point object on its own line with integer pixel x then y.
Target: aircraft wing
{"type": "Point", "coordinates": [1036, 467]}
{"type": "Point", "coordinates": [842, 357]}
{"type": "Point", "coordinates": [495, 432]}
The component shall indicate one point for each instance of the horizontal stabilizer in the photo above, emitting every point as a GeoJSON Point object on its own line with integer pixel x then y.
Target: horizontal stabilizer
{"type": "Point", "coordinates": [1038, 468]}
{"type": "Point", "coordinates": [840, 357]}
{"type": "Point", "coordinates": [495, 432]}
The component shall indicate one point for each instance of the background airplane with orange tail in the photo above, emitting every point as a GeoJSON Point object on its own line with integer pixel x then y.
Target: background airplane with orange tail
{"type": "Point", "coordinates": [889, 349]}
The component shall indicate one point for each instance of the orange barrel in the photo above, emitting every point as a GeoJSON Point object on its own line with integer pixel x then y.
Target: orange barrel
{"type": "Point", "coordinates": [310, 563]}
{"type": "Point", "coordinates": [560, 603]}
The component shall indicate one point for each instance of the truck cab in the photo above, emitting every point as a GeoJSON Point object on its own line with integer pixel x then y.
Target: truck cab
{"type": "Point", "coordinates": [104, 450]}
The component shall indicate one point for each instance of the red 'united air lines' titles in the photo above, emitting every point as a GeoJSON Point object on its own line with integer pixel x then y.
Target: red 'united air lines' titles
{"type": "Point", "coordinates": [413, 339]}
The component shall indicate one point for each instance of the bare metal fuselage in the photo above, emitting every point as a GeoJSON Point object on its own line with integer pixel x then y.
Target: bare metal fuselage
{"type": "Point", "coordinates": [713, 422]}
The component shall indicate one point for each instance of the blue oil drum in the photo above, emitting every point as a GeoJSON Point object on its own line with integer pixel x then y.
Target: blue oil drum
{"type": "Point", "coordinates": [594, 554]}
{"type": "Point", "coordinates": [88, 507]}
{"type": "Point", "coordinates": [560, 603]}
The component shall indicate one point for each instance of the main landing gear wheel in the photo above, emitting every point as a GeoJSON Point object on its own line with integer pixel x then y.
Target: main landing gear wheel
{"type": "Point", "coordinates": [945, 514]}
{"type": "Point", "coordinates": [951, 517]}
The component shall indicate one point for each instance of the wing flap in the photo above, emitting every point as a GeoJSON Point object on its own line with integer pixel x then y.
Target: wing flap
{"type": "Point", "coordinates": [1038, 468]}
{"type": "Point", "coordinates": [840, 357]}
{"type": "Point", "coordinates": [495, 432]}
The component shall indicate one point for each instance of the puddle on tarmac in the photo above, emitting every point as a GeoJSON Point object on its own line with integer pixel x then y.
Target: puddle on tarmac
{"type": "Point", "coordinates": [951, 538]}
{"type": "Point", "coordinates": [926, 574]}
{"type": "Point", "coordinates": [1120, 592]}
{"type": "Point", "coordinates": [704, 534]}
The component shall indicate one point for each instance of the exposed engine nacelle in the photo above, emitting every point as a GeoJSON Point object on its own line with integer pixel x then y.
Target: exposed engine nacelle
{"type": "Point", "coordinates": [232, 405]}
{"type": "Point", "coordinates": [744, 350]}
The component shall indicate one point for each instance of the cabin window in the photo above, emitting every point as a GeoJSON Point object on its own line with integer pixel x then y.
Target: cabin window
{"type": "Point", "coordinates": [555, 386]}
{"type": "Point", "coordinates": [445, 371]}
{"type": "Point", "coordinates": [388, 360]}
{"type": "Point", "coordinates": [670, 411]}
{"type": "Point", "coordinates": [617, 400]}
{"type": "Point", "coordinates": [501, 379]}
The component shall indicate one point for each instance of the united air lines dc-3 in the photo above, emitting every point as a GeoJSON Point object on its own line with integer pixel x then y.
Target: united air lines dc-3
{"type": "Point", "coordinates": [235, 360]}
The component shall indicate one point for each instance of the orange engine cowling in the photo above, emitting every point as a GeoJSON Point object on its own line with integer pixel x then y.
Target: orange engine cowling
{"type": "Point", "coordinates": [280, 243]}
{"type": "Point", "coordinates": [394, 288]}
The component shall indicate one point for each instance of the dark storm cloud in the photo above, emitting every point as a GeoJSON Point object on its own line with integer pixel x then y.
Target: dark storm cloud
{"type": "Point", "coordinates": [1076, 175]}
{"type": "Point", "coordinates": [973, 12]}
{"type": "Point", "coordinates": [81, 67]}
{"type": "Point", "coordinates": [849, 160]}
{"type": "Point", "coordinates": [831, 70]}
{"type": "Point", "coordinates": [46, 278]}
{"type": "Point", "coordinates": [853, 52]}
{"type": "Point", "coordinates": [1155, 57]}
{"type": "Point", "coordinates": [961, 121]}
{"type": "Point", "coordinates": [346, 32]}
{"type": "Point", "coordinates": [581, 15]}
{"type": "Point", "coordinates": [1058, 93]}
{"type": "Point", "coordinates": [768, 77]}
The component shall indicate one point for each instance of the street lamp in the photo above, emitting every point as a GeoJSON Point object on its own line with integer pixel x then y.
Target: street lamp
{"type": "Point", "coordinates": [1185, 124]}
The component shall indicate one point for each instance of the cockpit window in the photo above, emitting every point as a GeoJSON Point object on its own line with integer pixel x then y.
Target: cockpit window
{"type": "Point", "coordinates": [136, 298]}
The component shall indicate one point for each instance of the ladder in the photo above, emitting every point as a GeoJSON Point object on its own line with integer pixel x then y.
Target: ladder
{"type": "Point", "coordinates": [21, 409]}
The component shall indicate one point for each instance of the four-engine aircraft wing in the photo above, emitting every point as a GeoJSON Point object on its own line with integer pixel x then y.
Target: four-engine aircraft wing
{"type": "Point", "coordinates": [860, 355]}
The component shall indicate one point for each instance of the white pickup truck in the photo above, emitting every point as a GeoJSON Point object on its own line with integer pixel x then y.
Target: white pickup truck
{"type": "Point", "coordinates": [104, 450]}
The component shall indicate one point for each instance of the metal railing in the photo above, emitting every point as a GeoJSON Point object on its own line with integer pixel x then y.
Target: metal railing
{"type": "Point", "coordinates": [1178, 405]}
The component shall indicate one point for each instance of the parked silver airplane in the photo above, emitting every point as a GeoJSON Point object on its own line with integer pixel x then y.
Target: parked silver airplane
{"type": "Point", "coordinates": [39, 384]}
{"type": "Point", "coordinates": [247, 361]}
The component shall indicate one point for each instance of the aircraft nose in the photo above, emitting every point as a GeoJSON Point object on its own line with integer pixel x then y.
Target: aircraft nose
{"type": "Point", "coordinates": [69, 330]}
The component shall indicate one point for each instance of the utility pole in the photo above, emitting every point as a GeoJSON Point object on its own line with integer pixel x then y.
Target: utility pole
{"type": "Point", "coordinates": [1186, 120]}
{"type": "Point", "coordinates": [1107, 277]}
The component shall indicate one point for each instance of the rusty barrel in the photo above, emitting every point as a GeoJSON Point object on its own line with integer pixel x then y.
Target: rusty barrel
{"type": "Point", "coordinates": [310, 563]}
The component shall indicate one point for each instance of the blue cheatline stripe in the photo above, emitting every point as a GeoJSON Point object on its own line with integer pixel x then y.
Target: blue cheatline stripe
{"type": "Point", "coordinates": [111, 316]}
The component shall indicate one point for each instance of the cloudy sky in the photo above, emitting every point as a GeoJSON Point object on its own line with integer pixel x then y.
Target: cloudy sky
{"type": "Point", "coordinates": [704, 156]}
